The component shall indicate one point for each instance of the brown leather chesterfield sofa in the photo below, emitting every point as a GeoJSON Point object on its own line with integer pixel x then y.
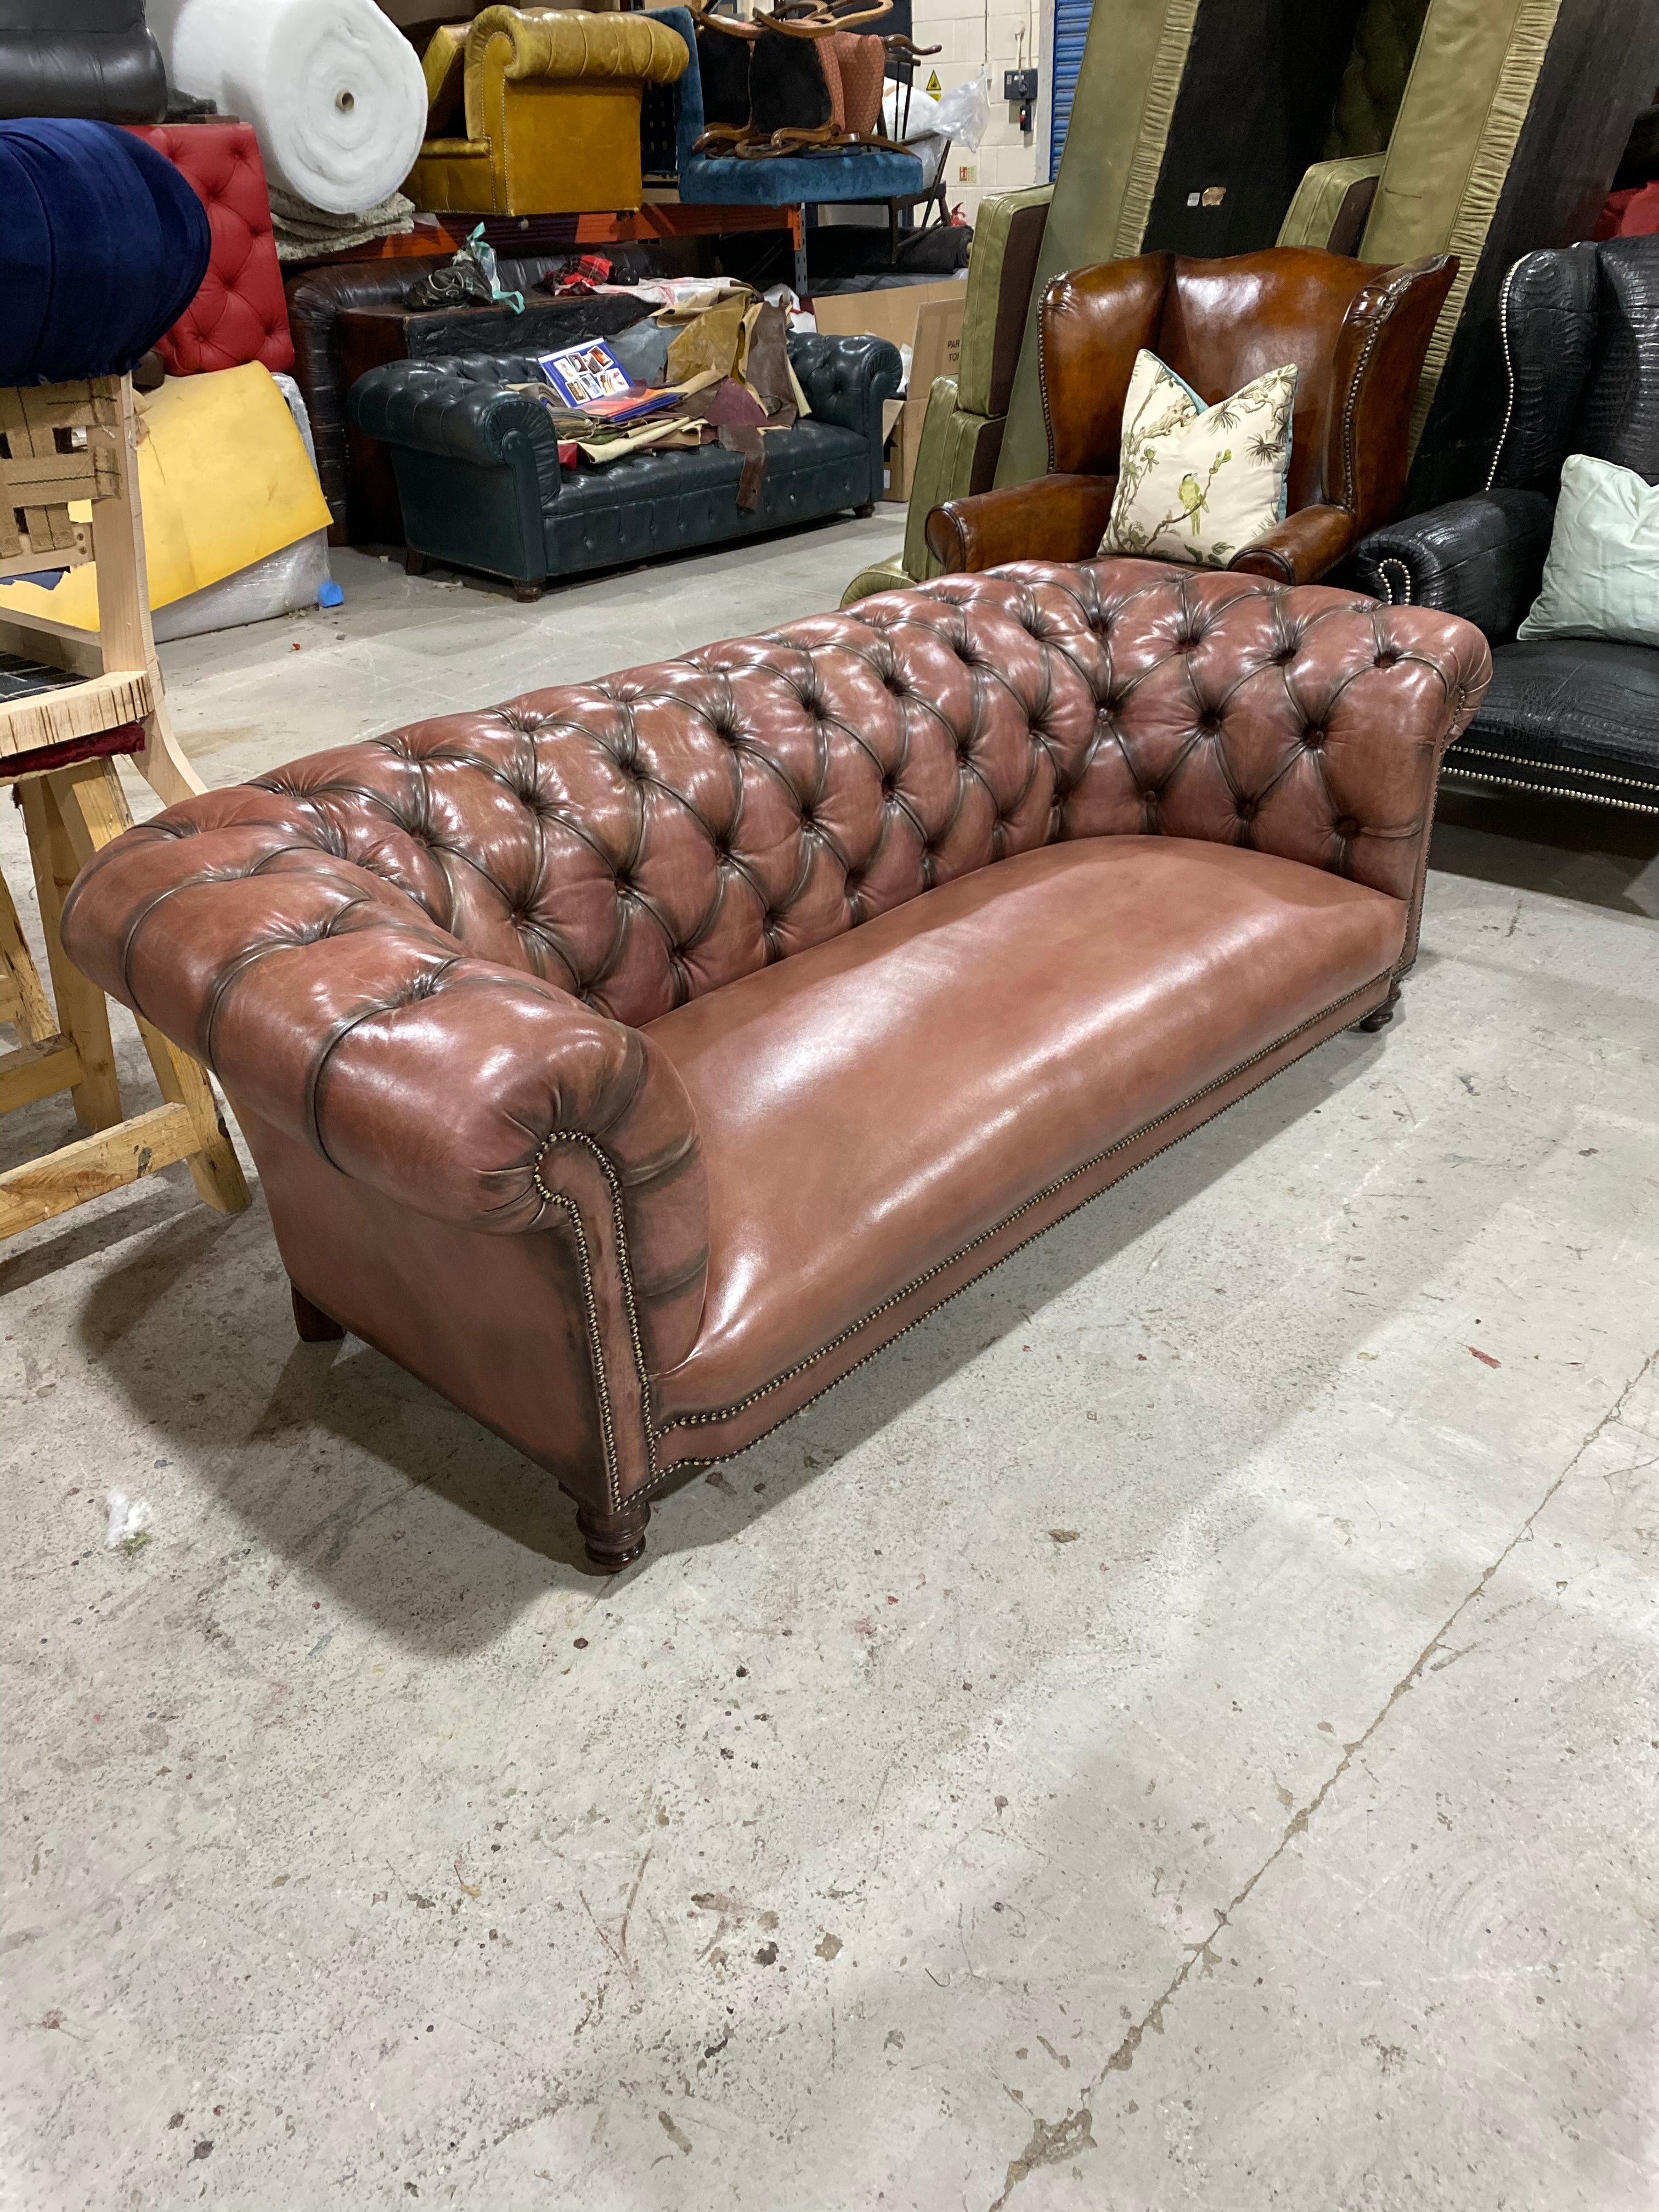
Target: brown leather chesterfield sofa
{"type": "Point", "coordinates": [632, 1060]}
{"type": "Point", "coordinates": [1356, 331]}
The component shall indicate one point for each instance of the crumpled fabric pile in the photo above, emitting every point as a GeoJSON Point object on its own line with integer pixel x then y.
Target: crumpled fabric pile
{"type": "Point", "coordinates": [727, 366]}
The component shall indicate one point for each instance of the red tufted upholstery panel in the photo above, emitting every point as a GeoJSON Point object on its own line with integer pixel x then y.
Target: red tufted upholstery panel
{"type": "Point", "coordinates": [239, 314]}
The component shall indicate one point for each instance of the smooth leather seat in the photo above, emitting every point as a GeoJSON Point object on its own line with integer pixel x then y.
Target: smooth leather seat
{"type": "Point", "coordinates": [1058, 1000]}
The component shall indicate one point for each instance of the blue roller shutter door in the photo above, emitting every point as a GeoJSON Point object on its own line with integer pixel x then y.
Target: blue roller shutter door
{"type": "Point", "coordinates": [1070, 30]}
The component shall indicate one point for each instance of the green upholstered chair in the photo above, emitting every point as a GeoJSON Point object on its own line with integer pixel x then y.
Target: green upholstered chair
{"type": "Point", "coordinates": [1332, 204]}
{"type": "Point", "coordinates": [961, 431]}
{"type": "Point", "coordinates": [1374, 83]}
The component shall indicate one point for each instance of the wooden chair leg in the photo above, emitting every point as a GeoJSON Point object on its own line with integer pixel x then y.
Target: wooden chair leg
{"type": "Point", "coordinates": [44, 1063]}
{"type": "Point", "coordinates": [126, 635]}
{"type": "Point", "coordinates": [1380, 1017]}
{"type": "Point", "coordinates": [82, 1013]}
{"type": "Point", "coordinates": [311, 1324]}
{"type": "Point", "coordinates": [613, 1541]}
{"type": "Point", "coordinates": [162, 762]}
{"type": "Point", "coordinates": [22, 999]}
{"type": "Point", "coordinates": [214, 1167]}
{"type": "Point", "coordinates": [91, 808]}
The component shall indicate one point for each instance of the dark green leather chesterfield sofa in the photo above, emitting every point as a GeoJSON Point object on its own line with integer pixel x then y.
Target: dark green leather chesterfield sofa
{"type": "Point", "coordinates": [478, 472]}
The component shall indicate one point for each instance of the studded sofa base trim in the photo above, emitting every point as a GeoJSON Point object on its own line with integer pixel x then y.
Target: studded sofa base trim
{"type": "Point", "coordinates": [1055, 1203]}
{"type": "Point", "coordinates": [585, 1260]}
{"type": "Point", "coordinates": [1456, 770]}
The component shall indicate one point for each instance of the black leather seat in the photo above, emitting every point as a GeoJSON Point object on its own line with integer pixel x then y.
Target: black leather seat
{"type": "Point", "coordinates": [80, 58]}
{"type": "Point", "coordinates": [1575, 716]}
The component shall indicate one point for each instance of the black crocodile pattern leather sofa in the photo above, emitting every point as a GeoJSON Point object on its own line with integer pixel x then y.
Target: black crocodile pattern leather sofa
{"type": "Point", "coordinates": [1576, 717]}
{"type": "Point", "coordinates": [478, 472]}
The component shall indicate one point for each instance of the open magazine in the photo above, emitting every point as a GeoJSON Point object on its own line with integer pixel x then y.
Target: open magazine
{"type": "Point", "coordinates": [590, 380]}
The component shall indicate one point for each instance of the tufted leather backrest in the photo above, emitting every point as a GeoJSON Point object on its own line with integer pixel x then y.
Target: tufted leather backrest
{"type": "Point", "coordinates": [648, 837]}
{"type": "Point", "coordinates": [1357, 332]}
{"type": "Point", "coordinates": [239, 314]}
{"type": "Point", "coordinates": [1226, 321]}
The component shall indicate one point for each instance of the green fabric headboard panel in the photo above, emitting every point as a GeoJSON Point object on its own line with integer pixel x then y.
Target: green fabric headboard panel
{"type": "Point", "coordinates": [951, 464]}
{"type": "Point", "coordinates": [1125, 96]}
{"type": "Point", "coordinates": [1472, 84]}
{"type": "Point", "coordinates": [1007, 242]}
{"type": "Point", "coordinates": [1374, 83]}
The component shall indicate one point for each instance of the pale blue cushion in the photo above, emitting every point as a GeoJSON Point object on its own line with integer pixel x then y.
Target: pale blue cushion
{"type": "Point", "coordinates": [1601, 577]}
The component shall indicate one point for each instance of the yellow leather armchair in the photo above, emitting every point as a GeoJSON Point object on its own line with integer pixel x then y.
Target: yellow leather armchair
{"type": "Point", "coordinates": [551, 99]}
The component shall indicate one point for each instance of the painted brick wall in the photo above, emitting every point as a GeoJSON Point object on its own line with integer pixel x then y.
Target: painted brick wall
{"type": "Point", "coordinates": [1012, 31]}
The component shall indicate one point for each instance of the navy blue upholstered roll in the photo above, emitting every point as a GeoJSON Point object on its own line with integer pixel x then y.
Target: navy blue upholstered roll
{"type": "Point", "coordinates": [103, 244]}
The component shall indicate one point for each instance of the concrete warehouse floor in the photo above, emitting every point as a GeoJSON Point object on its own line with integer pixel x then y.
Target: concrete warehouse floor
{"type": "Point", "coordinates": [1023, 1780]}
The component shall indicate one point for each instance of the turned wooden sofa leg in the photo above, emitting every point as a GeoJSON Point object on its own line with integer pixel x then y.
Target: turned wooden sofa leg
{"type": "Point", "coordinates": [614, 1541]}
{"type": "Point", "coordinates": [314, 1326]}
{"type": "Point", "coordinates": [1380, 1017]}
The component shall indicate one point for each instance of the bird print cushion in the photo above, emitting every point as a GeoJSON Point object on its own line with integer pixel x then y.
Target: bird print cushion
{"type": "Point", "coordinates": [1194, 482]}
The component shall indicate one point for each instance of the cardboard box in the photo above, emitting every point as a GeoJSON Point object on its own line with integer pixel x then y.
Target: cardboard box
{"type": "Point", "coordinates": [927, 318]}
{"type": "Point", "coordinates": [890, 313]}
{"type": "Point", "coordinates": [936, 350]}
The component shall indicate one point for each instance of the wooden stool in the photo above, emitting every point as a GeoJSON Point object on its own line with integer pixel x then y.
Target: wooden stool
{"type": "Point", "coordinates": [64, 720]}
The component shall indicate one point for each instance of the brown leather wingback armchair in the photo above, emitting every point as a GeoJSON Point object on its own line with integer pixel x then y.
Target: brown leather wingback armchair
{"type": "Point", "coordinates": [1357, 332]}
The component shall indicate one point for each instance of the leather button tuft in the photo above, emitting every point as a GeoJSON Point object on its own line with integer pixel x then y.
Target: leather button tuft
{"type": "Point", "coordinates": [1313, 739]}
{"type": "Point", "coordinates": [1347, 827]}
{"type": "Point", "coordinates": [1247, 810]}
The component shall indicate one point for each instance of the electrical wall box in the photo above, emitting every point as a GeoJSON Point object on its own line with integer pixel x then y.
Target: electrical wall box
{"type": "Point", "coordinates": [1019, 84]}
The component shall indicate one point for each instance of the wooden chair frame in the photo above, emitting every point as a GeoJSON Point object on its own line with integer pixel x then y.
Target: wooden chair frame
{"type": "Point", "coordinates": [59, 443]}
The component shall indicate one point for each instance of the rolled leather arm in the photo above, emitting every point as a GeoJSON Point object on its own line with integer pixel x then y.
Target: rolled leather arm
{"type": "Point", "coordinates": [1482, 558]}
{"type": "Point", "coordinates": [1299, 549]}
{"type": "Point", "coordinates": [434, 407]}
{"type": "Point", "coordinates": [845, 380]}
{"type": "Point", "coordinates": [1058, 518]}
{"type": "Point", "coordinates": [328, 1002]}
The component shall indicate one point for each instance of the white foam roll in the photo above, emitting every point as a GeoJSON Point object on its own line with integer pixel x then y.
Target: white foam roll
{"type": "Point", "coordinates": [332, 89]}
